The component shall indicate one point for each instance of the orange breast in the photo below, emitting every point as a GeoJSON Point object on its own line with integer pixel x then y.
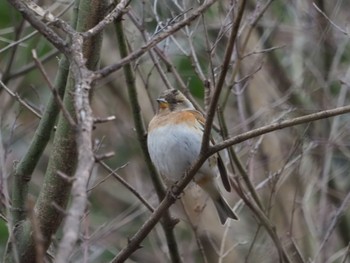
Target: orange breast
{"type": "Point", "coordinates": [189, 117]}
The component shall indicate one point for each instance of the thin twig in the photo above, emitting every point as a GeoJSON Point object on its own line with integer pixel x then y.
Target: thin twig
{"type": "Point", "coordinates": [221, 80]}
{"type": "Point", "coordinates": [53, 89]}
{"type": "Point", "coordinates": [340, 211]}
{"type": "Point", "coordinates": [151, 52]}
{"type": "Point", "coordinates": [47, 32]}
{"type": "Point", "coordinates": [37, 235]}
{"type": "Point", "coordinates": [18, 31]}
{"type": "Point", "coordinates": [30, 66]}
{"type": "Point", "coordinates": [103, 120]}
{"type": "Point", "coordinates": [167, 222]}
{"type": "Point", "coordinates": [117, 12]}
{"type": "Point", "coordinates": [20, 100]}
{"type": "Point", "coordinates": [279, 125]}
{"type": "Point", "coordinates": [330, 21]}
{"type": "Point", "coordinates": [346, 254]}
{"type": "Point", "coordinates": [125, 184]}
{"type": "Point", "coordinates": [32, 34]}
{"type": "Point", "coordinates": [15, 43]}
{"type": "Point", "coordinates": [262, 51]}
{"type": "Point", "coordinates": [158, 38]}
{"type": "Point", "coordinates": [237, 162]}
{"type": "Point", "coordinates": [176, 190]}
{"type": "Point", "coordinates": [83, 79]}
{"type": "Point", "coordinates": [266, 223]}
{"type": "Point", "coordinates": [181, 83]}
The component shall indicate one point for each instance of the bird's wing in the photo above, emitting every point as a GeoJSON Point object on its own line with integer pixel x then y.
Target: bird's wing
{"type": "Point", "coordinates": [221, 166]}
{"type": "Point", "coordinates": [223, 174]}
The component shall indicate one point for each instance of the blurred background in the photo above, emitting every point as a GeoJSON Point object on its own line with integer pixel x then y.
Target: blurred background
{"type": "Point", "coordinates": [291, 58]}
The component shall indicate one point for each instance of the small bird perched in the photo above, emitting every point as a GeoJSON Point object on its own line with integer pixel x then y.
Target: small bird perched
{"type": "Point", "coordinates": [174, 142]}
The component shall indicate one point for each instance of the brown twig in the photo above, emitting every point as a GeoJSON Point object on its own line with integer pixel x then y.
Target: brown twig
{"type": "Point", "coordinates": [330, 21]}
{"type": "Point", "coordinates": [340, 211]}
{"type": "Point", "coordinates": [182, 86]}
{"type": "Point", "coordinates": [263, 219]}
{"type": "Point", "coordinates": [158, 38]}
{"type": "Point", "coordinates": [37, 235]}
{"type": "Point", "coordinates": [83, 78]}
{"type": "Point", "coordinates": [279, 125]}
{"type": "Point", "coordinates": [346, 254]}
{"type": "Point", "coordinates": [53, 89]}
{"type": "Point", "coordinates": [47, 32]}
{"type": "Point", "coordinates": [167, 222]}
{"type": "Point", "coordinates": [100, 157]}
{"type": "Point", "coordinates": [176, 189]}
{"type": "Point", "coordinates": [103, 120]}
{"type": "Point", "coordinates": [236, 162]}
{"type": "Point", "coordinates": [20, 100]}
{"type": "Point", "coordinates": [32, 34]}
{"type": "Point", "coordinates": [125, 184]}
{"type": "Point", "coordinates": [151, 52]}
{"type": "Point", "coordinates": [18, 31]}
{"type": "Point", "coordinates": [219, 85]}
{"type": "Point", "coordinates": [30, 66]}
{"type": "Point", "coordinates": [117, 12]}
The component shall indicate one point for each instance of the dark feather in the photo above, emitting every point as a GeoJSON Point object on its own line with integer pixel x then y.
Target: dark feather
{"type": "Point", "coordinates": [220, 163]}
{"type": "Point", "coordinates": [223, 174]}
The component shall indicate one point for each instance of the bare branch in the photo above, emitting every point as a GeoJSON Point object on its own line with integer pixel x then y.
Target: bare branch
{"type": "Point", "coordinates": [347, 254]}
{"type": "Point", "coordinates": [47, 32]}
{"type": "Point", "coordinates": [330, 21]}
{"type": "Point", "coordinates": [340, 211]}
{"type": "Point", "coordinates": [219, 85]}
{"type": "Point", "coordinates": [158, 38]}
{"type": "Point", "coordinates": [103, 120]}
{"type": "Point", "coordinates": [176, 189]}
{"type": "Point", "coordinates": [30, 66]}
{"type": "Point", "coordinates": [126, 185]}
{"type": "Point", "coordinates": [53, 89]}
{"type": "Point", "coordinates": [20, 100]}
{"type": "Point", "coordinates": [116, 13]}
{"type": "Point", "coordinates": [279, 125]}
{"type": "Point", "coordinates": [167, 222]}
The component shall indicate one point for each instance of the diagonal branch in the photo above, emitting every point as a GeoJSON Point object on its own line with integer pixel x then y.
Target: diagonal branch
{"type": "Point", "coordinates": [161, 36]}
{"type": "Point", "coordinates": [278, 126]}
{"type": "Point", "coordinates": [47, 32]}
{"type": "Point", "coordinates": [221, 80]}
{"type": "Point", "coordinates": [20, 100]}
{"type": "Point", "coordinates": [167, 223]}
{"type": "Point", "coordinates": [83, 78]}
{"type": "Point", "coordinates": [116, 13]}
{"type": "Point", "coordinates": [175, 190]}
{"type": "Point", "coordinates": [55, 93]}
{"type": "Point", "coordinates": [85, 55]}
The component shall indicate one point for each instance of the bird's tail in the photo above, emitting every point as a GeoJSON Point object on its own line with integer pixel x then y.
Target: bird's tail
{"type": "Point", "coordinates": [224, 210]}
{"type": "Point", "coordinates": [209, 185]}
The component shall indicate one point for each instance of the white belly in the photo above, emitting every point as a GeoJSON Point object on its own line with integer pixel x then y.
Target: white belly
{"type": "Point", "coordinates": [173, 153]}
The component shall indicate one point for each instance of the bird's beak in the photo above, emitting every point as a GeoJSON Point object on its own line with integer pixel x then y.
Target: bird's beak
{"type": "Point", "coordinates": [163, 104]}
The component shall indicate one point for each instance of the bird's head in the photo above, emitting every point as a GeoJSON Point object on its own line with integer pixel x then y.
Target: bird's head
{"type": "Point", "coordinates": [173, 100]}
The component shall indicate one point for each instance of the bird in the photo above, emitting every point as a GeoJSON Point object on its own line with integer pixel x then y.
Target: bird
{"type": "Point", "coordinates": [174, 142]}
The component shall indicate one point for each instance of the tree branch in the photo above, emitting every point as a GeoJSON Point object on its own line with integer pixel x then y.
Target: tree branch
{"type": "Point", "coordinates": [47, 32]}
{"type": "Point", "coordinates": [84, 59]}
{"type": "Point", "coordinates": [167, 223]}
{"type": "Point", "coordinates": [158, 38]}
{"type": "Point", "coordinates": [176, 189]}
{"type": "Point", "coordinates": [279, 125]}
{"type": "Point", "coordinates": [221, 80]}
